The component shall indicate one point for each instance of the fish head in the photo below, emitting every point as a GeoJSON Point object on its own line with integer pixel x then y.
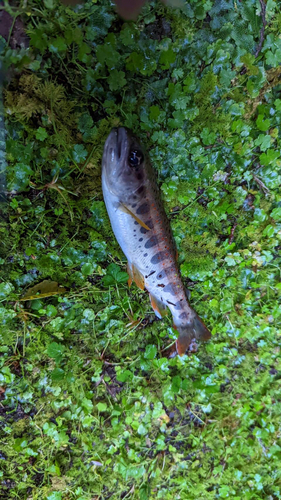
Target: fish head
{"type": "Point", "coordinates": [123, 162]}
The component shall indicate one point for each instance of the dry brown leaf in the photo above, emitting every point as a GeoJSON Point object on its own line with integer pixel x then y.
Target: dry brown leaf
{"type": "Point", "coordinates": [46, 288]}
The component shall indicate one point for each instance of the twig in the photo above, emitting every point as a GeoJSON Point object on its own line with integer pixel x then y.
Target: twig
{"type": "Point", "coordinates": [196, 416]}
{"type": "Point", "coordinates": [87, 161]}
{"type": "Point", "coordinates": [99, 381]}
{"type": "Point", "coordinates": [211, 146]}
{"type": "Point", "coordinates": [261, 185]}
{"type": "Point", "coordinates": [272, 79]}
{"type": "Point", "coordinates": [264, 23]}
{"type": "Point", "coordinates": [131, 491]}
{"type": "Point", "coordinates": [109, 390]}
{"type": "Point", "coordinates": [231, 237]}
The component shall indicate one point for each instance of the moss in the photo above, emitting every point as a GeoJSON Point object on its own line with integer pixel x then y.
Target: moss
{"type": "Point", "coordinates": [91, 406]}
{"type": "Point", "coordinates": [210, 113]}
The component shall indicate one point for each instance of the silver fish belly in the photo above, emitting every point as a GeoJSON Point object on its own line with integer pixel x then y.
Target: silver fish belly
{"type": "Point", "coordinates": [143, 232]}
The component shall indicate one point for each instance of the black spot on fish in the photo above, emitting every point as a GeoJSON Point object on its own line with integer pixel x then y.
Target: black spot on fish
{"type": "Point", "coordinates": [179, 305]}
{"type": "Point", "coordinates": [151, 242]}
{"type": "Point", "coordinates": [183, 316]}
{"type": "Point", "coordinates": [141, 190]}
{"type": "Point", "coordinates": [141, 239]}
{"type": "Point", "coordinates": [161, 275]}
{"type": "Point", "coordinates": [134, 197]}
{"type": "Point", "coordinates": [161, 285]}
{"type": "Point", "coordinates": [134, 205]}
{"type": "Point", "coordinates": [145, 255]}
{"type": "Point", "coordinates": [143, 209]}
{"type": "Point", "coordinates": [158, 257]}
{"type": "Point", "coordinates": [171, 303]}
{"type": "Point", "coordinates": [149, 224]}
{"type": "Point", "coordinates": [150, 274]}
{"type": "Point", "coordinates": [169, 289]}
{"type": "Point", "coordinates": [136, 223]}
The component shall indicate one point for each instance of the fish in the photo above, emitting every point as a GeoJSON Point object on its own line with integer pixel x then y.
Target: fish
{"type": "Point", "coordinates": [142, 229]}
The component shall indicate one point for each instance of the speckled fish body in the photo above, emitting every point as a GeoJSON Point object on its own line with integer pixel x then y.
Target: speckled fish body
{"type": "Point", "coordinates": [143, 232]}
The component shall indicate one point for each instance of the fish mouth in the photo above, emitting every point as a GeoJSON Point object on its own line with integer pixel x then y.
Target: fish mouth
{"type": "Point", "coordinates": [115, 157]}
{"type": "Point", "coordinates": [116, 146]}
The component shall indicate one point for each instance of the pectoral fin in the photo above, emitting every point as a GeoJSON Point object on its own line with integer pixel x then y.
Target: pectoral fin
{"type": "Point", "coordinates": [126, 210]}
{"type": "Point", "coordinates": [158, 307]}
{"type": "Point", "coordinates": [135, 275]}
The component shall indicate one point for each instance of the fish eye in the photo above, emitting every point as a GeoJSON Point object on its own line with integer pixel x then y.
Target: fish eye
{"type": "Point", "coordinates": [135, 158]}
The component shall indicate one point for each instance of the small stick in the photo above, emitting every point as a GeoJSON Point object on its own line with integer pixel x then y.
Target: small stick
{"type": "Point", "coordinates": [264, 23]}
{"type": "Point", "coordinates": [109, 390]}
{"type": "Point", "coordinates": [262, 185]}
{"type": "Point", "coordinates": [231, 237]}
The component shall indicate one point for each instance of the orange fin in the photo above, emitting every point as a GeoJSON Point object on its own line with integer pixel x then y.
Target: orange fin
{"type": "Point", "coordinates": [130, 273]}
{"type": "Point", "coordinates": [138, 277]}
{"type": "Point", "coordinates": [135, 275]}
{"type": "Point", "coordinates": [158, 307]}
{"type": "Point", "coordinates": [193, 330]}
{"type": "Point", "coordinates": [126, 210]}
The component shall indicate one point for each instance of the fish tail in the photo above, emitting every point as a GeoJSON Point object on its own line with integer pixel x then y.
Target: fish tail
{"type": "Point", "coordinates": [194, 330]}
{"type": "Point", "coordinates": [191, 331]}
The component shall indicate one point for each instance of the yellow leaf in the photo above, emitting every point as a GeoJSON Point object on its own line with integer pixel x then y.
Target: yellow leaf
{"type": "Point", "coordinates": [46, 288]}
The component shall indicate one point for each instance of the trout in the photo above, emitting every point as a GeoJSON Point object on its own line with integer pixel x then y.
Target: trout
{"type": "Point", "coordinates": [142, 229]}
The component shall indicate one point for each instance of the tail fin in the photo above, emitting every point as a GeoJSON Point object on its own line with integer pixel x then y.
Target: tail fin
{"type": "Point", "coordinates": [193, 330]}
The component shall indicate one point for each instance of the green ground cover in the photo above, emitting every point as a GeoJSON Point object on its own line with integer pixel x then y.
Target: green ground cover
{"type": "Point", "coordinates": [91, 408]}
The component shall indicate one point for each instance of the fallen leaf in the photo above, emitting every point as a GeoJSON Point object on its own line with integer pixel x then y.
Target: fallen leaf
{"type": "Point", "coordinates": [46, 288]}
